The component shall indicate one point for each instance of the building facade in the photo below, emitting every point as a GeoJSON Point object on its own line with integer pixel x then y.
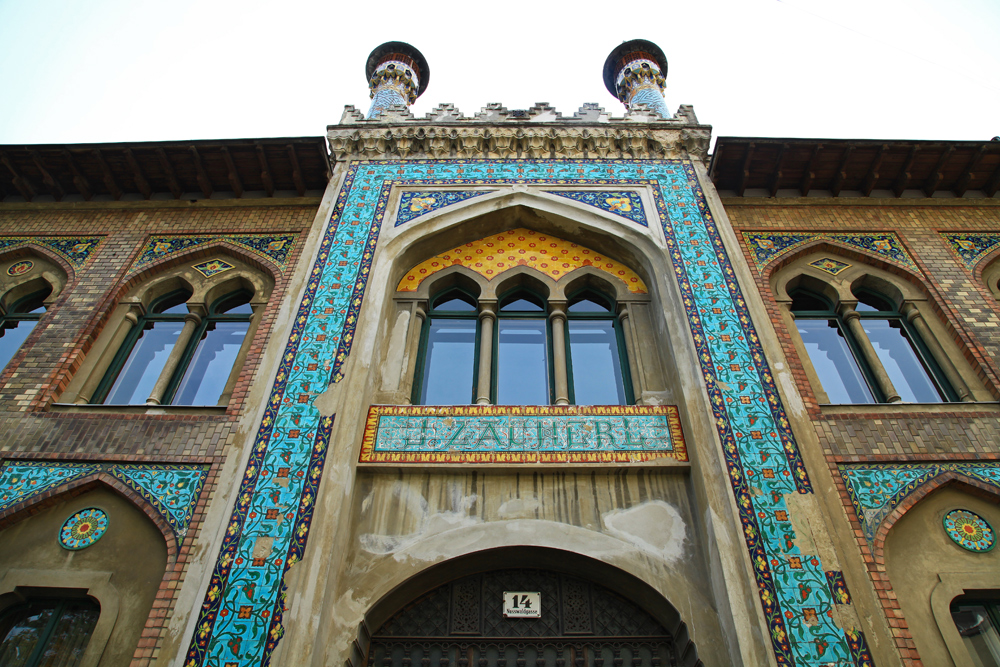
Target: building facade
{"type": "Point", "coordinates": [497, 389]}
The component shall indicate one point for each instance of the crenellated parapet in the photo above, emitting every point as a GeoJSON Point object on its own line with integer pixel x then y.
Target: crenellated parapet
{"type": "Point", "coordinates": [540, 132]}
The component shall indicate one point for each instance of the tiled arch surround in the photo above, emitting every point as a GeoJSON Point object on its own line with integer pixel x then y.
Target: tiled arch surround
{"type": "Point", "coordinates": [240, 621]}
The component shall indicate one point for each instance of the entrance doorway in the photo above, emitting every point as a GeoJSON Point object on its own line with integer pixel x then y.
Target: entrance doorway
{"type": "Point", "coordinates": [478, 621]}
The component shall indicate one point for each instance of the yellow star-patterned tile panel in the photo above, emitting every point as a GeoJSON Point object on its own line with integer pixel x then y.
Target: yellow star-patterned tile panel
{"type": "Point", "coordinates": [491, 256]}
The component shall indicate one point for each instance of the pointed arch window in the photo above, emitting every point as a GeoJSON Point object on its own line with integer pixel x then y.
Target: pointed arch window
{"type": "Point", "coordinates": [595, 350]}
{"type": "Point", "coordinates": [449, 351]}
{"type": "Point", "coordinates": [175, 356]}
{"type": "Point", "coordinates": [868, 352]}
{"type": "Point", "coordinates": [522, 368]}
{"type": "Point", "coordinates": [18, 320]}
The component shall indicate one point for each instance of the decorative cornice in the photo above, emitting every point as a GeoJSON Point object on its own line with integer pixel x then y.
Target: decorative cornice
{"type": "Point", "coordinates": [537, 133]}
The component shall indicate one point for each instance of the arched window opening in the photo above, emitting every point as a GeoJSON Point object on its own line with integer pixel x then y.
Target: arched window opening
{"type": "Point", "coordinates": [832, 352]}
{"type": "Point", "coordinates": [18, 321]}
{"type": "Point", "coordinates": [47, 632]}
{"type": "Point", "coordinates": [978, 621]}
{"type": "Point", "coordinates": [175, 356]}
{"type": "Point", "coordinates": [449, 350]}
{"type": "Point", "coordinates": [522, 361]}
{"type": "Point", "coordinates": [869, 352]}
{"type": "Point", "coordinates": [595, 349]}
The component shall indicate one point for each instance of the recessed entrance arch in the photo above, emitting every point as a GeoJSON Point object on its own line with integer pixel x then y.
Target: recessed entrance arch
{"type": "Point", "coordinates": [587, 614]}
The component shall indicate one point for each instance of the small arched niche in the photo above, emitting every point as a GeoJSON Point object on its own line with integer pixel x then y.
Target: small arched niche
{"type": "Point", "coordinates": [519, 605]}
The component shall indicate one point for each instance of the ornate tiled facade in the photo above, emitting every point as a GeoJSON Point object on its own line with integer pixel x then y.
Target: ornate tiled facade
{"type": "Point", "coordinates": [172, 489]}
{"type": "Point", "coordinates": [240, 621]}
{"type": "Point", "coordinates": [623, 203]}
{"type": "Point", "coordinates": [413, 204]}
{"type": "Point", "coordinates": [516, 434]}
{"type": "Point", "coordinates": [768, 246]}
{"type": "Point", "coordinates": [274, 248]}
{"type": "Point", "coordinates": [495, 254]}
{"type": "Point", "coordinates": [76, 250]}
{"type": "Point", "coordinates": [971, 248]}
{"type": "Point", "coordinates": [877, 489]}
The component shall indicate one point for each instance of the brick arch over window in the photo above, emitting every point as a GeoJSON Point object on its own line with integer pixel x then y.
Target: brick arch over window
{"type": "Point", "coordinates": [918, 570]}
{"type": "Point", "coordinates": [575, 590]}
{"type": "Point", "coordinates": [900, 350]}
{"type": "Point", "coordinates": [193, 294]}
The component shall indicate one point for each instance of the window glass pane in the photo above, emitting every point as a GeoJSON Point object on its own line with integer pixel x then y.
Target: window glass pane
{"type": "Point", "coordinates": [449, 362]}
{"type": "Point", "coordinates": [597, 370]}
{"type": "Point", "coordinates": [805, 301]}
{"type": "Point", "coordinates": [522, 305]}
{"type": "Point", "coordinates": [26, 627]}
{"type": "Point", "coordinates": [835, 365]}
{"type": "Point", "coordinates": [454, 304]}
{"type": "Point", "coordinates": [211, 365]}
{"type": "Point", "coordinates": [12, 334]}
{"type": "Point", "coordinates": [901, 362]}
{"type": "Point", "coordinates": [978, 633]}
{"type": "Point", "coordinates": [588, 306]}
{"type": "Point", "coordinates": [522, 363]}
{"type": "Point", "coordinates": [136, 379]}
{"type": "Point", "coordinates": [70, 635]}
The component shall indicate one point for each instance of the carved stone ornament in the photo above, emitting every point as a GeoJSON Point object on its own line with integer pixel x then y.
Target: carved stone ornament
{"type": "Point", "coordinates": [537, 133]}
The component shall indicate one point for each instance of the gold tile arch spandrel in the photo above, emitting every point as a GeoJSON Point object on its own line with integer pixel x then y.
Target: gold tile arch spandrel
{"type": "Point", "coordinates": [491, 256]}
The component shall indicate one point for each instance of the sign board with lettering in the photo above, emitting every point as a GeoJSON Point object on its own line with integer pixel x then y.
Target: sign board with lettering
{"type": "Point", "coordinates": [520, 604]}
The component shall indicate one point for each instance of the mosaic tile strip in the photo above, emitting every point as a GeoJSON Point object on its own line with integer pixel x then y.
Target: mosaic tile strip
{"type": "Point", "coordinates": [831, 266]}
{"type": "Point", "coordinates": [971, 248]}
{"type": "Point", "coordinates": [877, 489]}
{"type": "Point", "coordinates": [761, 455]}
{"type": "Point", "coordinates": [519, 434]}
{"type": "Point", "coordinates": [766, 246]}
{"type": "Point", "coordinates": [274, 248]}
{"type": "Point", "coordinates": [172, 489]}
{"type": "Point", "coordinates": [76, 250]}
{"type": "Point", "coordinates": [83, 529]}
{"type": "Point", "coordinates": [412, 204]}
{"type": "Point", "coordinates": [624, 203]}
{"type": "Point", "coordinates": [212, 267]}
{"type": "Point", "coordinates": [969, 530]}
{"type": "Point", "coordinates": [835, 580]}
{"type": "Point", "coordinates": [491, 256]}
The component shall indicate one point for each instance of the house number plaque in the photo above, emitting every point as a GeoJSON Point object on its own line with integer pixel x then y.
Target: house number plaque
{"type": "Point", "coordinates": [522, 605]}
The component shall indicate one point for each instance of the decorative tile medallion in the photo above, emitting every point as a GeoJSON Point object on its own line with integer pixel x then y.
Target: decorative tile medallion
{"type": "Point", "coordinates": [212, 267]}
{"type": "Point", "coordinates": [521, 434]}
{"type": "Point", "coordinates": [971, 248]}
{"type": "Point", "coordinates": [83, 529]}
{"type": "Point", "coordinates": [969, 531]}
{"type": "Point", "coordinates": [20, 268]}
{"type": "Point", "coordinates": [172, 489]}
{"type": "Point", "coordinates": [877, 489]}
{"type": "Point", "coordinates": [241, 618]}
{"type": "Point", "coordinates": [766, 246]}
{"type": "Point", "coordinates": [831, 266]}
{"type": "Point", "coordinates": [274, 248]}
{"type": "Point", "coordinates": [624, 203]}
{"type": "Point", "coordinates": [491, 256]}
{"type": "Point", "coordinates": [412, 204]}
{"type": "Point", "coordinates": [74, 249]}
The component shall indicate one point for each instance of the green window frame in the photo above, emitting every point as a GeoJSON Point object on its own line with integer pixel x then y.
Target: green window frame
{"type": "Point", "coordinates": [575, 314]}
{"type": "Point", "coordinates": [169, 309]}
{"type": "Point", "coordinates": [47, 631]}
{"type": "Point", "coordinates": [27, 309]}
{"type": "Point", "coordinates": [977, 619]}
{"type": "Point", "coordinates": [442, 312]}
{"type": "Point", "coordinates": [508, 312]}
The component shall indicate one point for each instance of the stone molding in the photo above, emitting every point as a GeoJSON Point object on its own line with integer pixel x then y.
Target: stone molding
{"type": "Point", "coordinates": [538, 133]}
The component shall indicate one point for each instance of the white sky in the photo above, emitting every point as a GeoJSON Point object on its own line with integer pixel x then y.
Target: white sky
{"type": "Point", "coordinates": [137, 70]}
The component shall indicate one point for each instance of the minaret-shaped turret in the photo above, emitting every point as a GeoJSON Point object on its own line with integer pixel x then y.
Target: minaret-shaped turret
{"type": "Point", "coordinates": [397, 74]}
{"type": "Point", "coordinates": [635, 72]}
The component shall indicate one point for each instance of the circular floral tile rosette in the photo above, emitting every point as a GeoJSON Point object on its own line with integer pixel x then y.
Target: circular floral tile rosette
{"type": "Point", "coordinates": [83, 529]}
{"type": "Point", "coordinates": [969, 530]}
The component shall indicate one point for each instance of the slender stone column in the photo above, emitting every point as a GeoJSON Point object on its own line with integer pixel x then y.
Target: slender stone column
{"type": "Point", "coordinates": [853, 321]}
{"type": "Point", "coordinates": [914, 317]}
{"type": "Point", "coordinates": [108, 354]}
{"type": "Point", "coordinates": [557, 320]}
{"type": "Point", "coordinates": [484, 381]}
{"type": "Point", "coordinates": [397, 75]}
{"type": "Point", "coordinates": [631, 352]}
{"type": "Point", "coordinates": [418, 317]}
{"type": "Point", "coordinates": [191, 322]}
{"type": "Point", "coordinates": [635, 72]}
